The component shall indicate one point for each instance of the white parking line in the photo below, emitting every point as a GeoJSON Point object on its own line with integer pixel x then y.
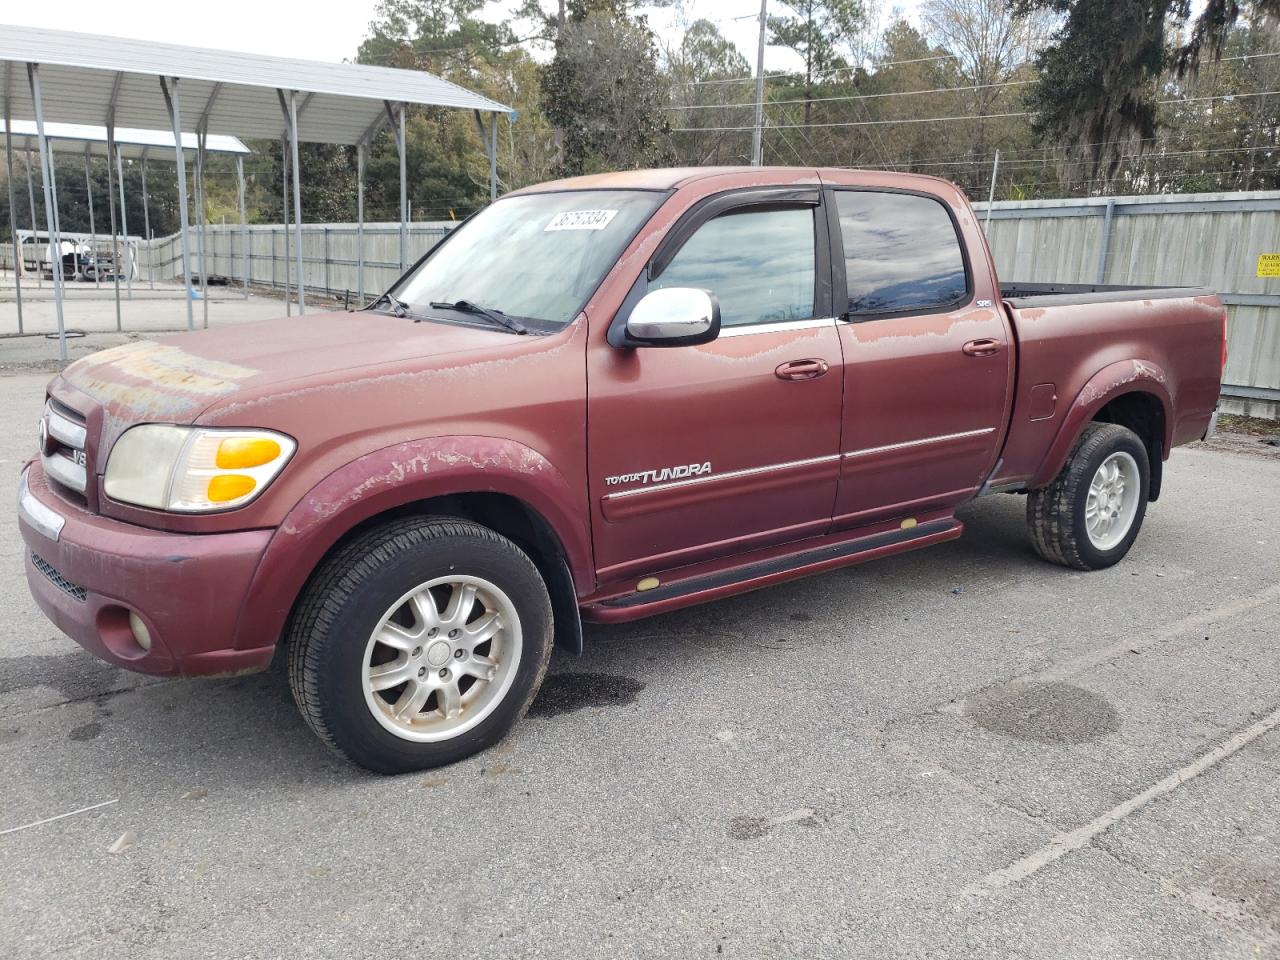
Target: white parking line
{"type": "Point", "coordinates": [1062, 844]}
{"type": "Point", "coordinates": [61, 816]}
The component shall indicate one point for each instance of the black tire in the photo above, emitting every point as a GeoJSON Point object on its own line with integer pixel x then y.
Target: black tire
{"type": "Point", "coordinates": [347, 597]}
{"type": "Point", "coordinates": [1056, 513]}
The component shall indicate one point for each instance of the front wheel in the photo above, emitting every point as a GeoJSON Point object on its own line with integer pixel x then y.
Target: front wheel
{"type": "Point", "coordinates": [420, 643]}
{"type": "Point", "coordinates": [1089, 516]}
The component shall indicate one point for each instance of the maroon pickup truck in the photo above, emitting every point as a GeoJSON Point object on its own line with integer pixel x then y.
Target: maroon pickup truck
{"type": "Point", "coordinates": [598, 399]}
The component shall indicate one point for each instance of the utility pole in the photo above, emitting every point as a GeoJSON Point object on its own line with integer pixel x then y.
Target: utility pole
{"type": "Point", "coordinates": [757, 142]}
{"type": "Point", "coordinates": [991, 195]}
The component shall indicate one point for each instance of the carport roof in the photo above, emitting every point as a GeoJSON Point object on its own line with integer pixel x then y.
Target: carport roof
{"type": "Point", "coordinates": [83, 76]}
{"type": "Point", "coordinates": [77, 138]}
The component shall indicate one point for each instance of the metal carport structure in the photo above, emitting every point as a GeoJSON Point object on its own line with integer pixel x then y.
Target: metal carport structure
{"type": "Point", "coordinates": [87, 78]}
{"type": "Point", "coordinates": [93, 141]}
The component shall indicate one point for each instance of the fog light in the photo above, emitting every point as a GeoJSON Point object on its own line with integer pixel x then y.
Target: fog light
{"type": "Point", "coordinates": [140, 631]}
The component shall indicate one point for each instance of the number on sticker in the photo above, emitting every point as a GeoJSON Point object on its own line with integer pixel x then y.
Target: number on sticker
{"type": "Point", "coordinates": [581, 220]}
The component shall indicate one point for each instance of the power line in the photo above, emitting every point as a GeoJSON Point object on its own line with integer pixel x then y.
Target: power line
{"type": "Point", "coordinates": [851, 123]}
{"type": "Point", "coordinates": [1220, 96]}
{"type": "Point", "coordinates": [853, 96]}
{"type": "Point", "coordinates": [989, 116]}
{"type": "Point", "coordinates": [896, 63]}
{"type": "Point", "coordinates": [1032, 163]}
{"type": "Point", "coordinates": [980, 158]}
{"type": "Point", "coordinates": [821, 73]}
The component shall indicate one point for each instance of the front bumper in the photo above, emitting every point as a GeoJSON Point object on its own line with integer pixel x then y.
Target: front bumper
{"type": "Point", "coordinates": [88, 573]}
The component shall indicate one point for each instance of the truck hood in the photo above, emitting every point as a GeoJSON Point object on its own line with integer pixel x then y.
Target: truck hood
{"type": "Point", "coordinates": [174, 379]}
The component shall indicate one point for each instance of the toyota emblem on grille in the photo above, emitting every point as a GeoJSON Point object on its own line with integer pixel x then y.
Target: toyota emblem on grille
{"type": "Point", "coordinates": [45, 446]}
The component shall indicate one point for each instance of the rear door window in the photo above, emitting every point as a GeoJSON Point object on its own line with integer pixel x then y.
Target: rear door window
{"type": "Point", "coordinates": [901, 254]}
{"type": "Point", "coordinates": [760, 265]}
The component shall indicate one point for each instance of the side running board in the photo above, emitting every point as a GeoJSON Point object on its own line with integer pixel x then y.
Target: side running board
{"type": "Point", "coordinates": [793, 562]}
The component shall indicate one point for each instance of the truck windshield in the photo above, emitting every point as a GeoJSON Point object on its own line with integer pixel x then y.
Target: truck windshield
{"type": "Point", "coordinates": [534, 257]}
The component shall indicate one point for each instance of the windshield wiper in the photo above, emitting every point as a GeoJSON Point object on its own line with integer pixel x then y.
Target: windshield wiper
{"type": "Point", "coordinates": [398, 307]}
{"type": "Point", "coordinates": [497, 316]}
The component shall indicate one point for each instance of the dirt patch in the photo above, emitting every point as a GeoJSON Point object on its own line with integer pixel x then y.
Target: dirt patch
{"type": "Point", "coordinates": [1055, 713]}
{"type": "Point", "coordinates": [1250, 886]}
{"type": "Point", "coordinates": [1251, 426]}
{"type": "Point", "coordinates": [1247, 436]}
{"type": "Point", "coordinates": [753, 828]}
{"type": "Point", "coordinates": [567, 692]}
{"type": "Point", "coordinates": [86, 731]}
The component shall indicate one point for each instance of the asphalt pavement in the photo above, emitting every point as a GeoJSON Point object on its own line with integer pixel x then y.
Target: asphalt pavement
{"type": "Point", "coordinates": [959, 752]}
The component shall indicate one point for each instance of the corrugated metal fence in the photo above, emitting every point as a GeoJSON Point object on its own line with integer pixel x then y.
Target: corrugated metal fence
{"type": "Point", "coordinates": [1212, 240]}
{"type": "Point", "coordinates": [329, 254]}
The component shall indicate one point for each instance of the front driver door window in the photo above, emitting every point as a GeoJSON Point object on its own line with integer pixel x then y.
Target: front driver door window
{"type": "Point", "coordinates": [759, 264]}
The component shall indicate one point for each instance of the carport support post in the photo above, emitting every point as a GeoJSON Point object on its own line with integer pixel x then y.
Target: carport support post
{"type": "Point", "coordinates": [297, 199]}
{"type": "Point", "coordinates": [146, 226]}
{"type": "Point", "coordinates": [200, 227]}
{"type": "Point", "coordinates": [284, 166]}
{"type": "Point", "coordinates": [491, 148]}
{"type": "Point", "coordinates": [13, 217]}
{"type": "Point", "coordinates": [171, 101]}
{"type": "Point", "coordinates": [404, 190]}
{"type": "Point", "coordinates": [489, 140]}
{"type": "Point", "coordinates": [31, 199]}
{"type": "Point", "coordinates": [93, 231]}
{"type": "Point", "coordinates": [124, 223]}
{"type": "Point", "coordinates": [244, 225]}
{"type": "Point", "coordinates": [115, 245]}
{"type": "Point", "coordinates": [46, 165]}
{"type": "Point", "coordinates": [360, 158]}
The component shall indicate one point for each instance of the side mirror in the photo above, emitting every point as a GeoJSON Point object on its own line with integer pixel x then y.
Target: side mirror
{"type": "Point", "coordinates": [674, 317]}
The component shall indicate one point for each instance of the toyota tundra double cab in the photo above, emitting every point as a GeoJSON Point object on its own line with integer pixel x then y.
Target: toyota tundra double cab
{"type": "Point", "coordinates": [598, 399]}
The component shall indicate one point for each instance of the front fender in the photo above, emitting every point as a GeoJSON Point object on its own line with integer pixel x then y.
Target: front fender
{"type": "Point", "coordinates": [1113, 380]}
{"type": "Point", "coordinates": [392, 477]}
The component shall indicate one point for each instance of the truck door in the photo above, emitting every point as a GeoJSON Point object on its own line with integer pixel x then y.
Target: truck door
{"type": "Point", "coordinates": [928, 354]}
{"type": "Point", "coordinates": [701, 451]}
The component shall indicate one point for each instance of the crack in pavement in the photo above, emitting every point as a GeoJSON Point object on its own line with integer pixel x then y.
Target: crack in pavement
{"type": "Point", "coordinates": [1066, 842]}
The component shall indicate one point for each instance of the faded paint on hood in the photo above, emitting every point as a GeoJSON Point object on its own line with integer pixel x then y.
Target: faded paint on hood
{"type": "Point", "coordinates": [174, 379]}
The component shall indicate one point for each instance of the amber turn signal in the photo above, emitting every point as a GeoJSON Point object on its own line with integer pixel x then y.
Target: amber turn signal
{"type": "Point", "coordinates": [230, 486]}
{"type": "Point", "coordinates": [238, 453]}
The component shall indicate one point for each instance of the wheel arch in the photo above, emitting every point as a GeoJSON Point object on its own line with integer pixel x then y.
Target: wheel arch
{"type": "Point", "coordinates": [1142, 412]}
{"type": "Point", "coordinates": [501, 484]}
{"type": "Point", "coordinates": [1132, 393]}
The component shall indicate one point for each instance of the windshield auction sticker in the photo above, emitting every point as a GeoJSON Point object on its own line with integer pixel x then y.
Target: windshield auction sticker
{"type": "Point", "coordinates": [581, 220]}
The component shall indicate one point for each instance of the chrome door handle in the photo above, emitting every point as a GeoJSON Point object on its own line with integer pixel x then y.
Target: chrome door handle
{"type": "Point", "coordinates": [801, 370]}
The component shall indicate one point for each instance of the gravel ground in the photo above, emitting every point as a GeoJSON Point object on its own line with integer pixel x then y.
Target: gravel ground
{"type": "Point", "coordinates": [960, 752]}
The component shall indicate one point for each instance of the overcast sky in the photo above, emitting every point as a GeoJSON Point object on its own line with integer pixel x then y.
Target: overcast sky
{"type": "Point", "coordinates": [330, 32]}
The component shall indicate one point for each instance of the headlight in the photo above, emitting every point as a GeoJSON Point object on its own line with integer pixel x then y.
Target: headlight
{"type": "Point", "coordinates": [193, 469]}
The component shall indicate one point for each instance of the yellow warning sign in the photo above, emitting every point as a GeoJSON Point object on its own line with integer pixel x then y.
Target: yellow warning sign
{"type": "Point", "coordinates": [1269, 264]}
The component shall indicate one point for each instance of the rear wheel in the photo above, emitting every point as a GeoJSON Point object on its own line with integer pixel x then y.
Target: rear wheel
{"type": "Point", "coordinates": [419, 644]}
{"type": "Point", "coordinates": [1090, 515]}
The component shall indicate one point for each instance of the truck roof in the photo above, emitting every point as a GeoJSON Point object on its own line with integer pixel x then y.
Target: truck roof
{"type": "Point", "coordinates": [671, 178]}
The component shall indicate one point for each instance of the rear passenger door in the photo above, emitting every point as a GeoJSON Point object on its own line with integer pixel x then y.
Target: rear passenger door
{"type": "Point", "coordinates": [927, 350]}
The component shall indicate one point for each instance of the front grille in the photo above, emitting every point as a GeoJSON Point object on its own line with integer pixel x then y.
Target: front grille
{"type": "Point", "coordinates": [73, 590]}
{"type": "Point", "coordinates": [63, 448]}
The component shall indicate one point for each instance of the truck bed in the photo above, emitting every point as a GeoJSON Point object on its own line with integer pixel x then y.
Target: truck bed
{"type": "Point", "coordinates": [1063, 294]}
{"type": "Point", "coordinates": [1076, 341]}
